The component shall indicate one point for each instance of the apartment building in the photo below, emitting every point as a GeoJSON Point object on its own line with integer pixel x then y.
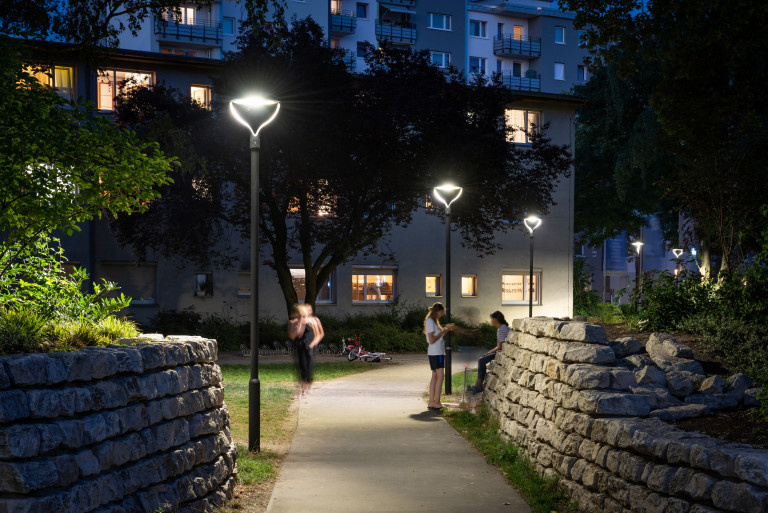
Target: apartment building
{"type": "Point", "coordinates": [517, 40]}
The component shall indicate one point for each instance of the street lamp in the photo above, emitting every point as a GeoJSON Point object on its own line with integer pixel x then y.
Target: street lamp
{"type": "Point", "coordinates": [639, 265]}
{"type": "Point", "coordinates": [447, 194]}
{"type": "Point", "coordinates": [531, 222]}
{"type": "Point", "coordinates": [254, 111]}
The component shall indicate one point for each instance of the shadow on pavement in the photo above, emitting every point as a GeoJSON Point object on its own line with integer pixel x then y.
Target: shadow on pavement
{"type": "Point", "coordinates": [426, 416]}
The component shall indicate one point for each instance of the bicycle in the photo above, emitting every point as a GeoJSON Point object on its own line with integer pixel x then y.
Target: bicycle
{"type": "Point", "coordinates": [353, 348]}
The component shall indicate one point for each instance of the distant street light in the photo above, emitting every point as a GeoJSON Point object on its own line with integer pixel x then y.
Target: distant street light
{"type": "Point", "coordinates": [531, 222]}
{"type": "Point", "coordinates": [259, 112]}
{"type": "Point", "coordinates": [638, 262]}
{"type": "Point", "coordinates": [447, 194]}
{"type": "Point", "coordinates": [678, 253]}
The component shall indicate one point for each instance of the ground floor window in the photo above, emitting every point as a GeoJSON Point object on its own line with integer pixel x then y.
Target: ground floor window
{"type": "Point", "coordinates": [433, 286]}
{"type": "Point", "coordinates": [299, 277]}
{"type": "Point", "coordinates": [515, 287]}
{"type": "Point", "coordinates": [373, 285]}
{"type": "Point", "coordinates": [60, 78]}
{"type": "Point", "coordinates": [137, 281]}
{"type": "Point", "coordinates": [112, 82]}
{"type": "Point", "coordinates": [204, 284]}
{"type": "Point", "coordinates": [469, 285]}
{"type": "Point", "coordinates": [201, 94]}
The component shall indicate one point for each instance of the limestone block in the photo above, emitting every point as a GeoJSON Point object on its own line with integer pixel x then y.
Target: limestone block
{"type": "Point", "coordinates": [128, 359]}
{"type": "Point", "coordinates": [581, 332]}
{"type": "Point", "coordinates": [78, 365]}
{"type": "Point", "coordinates": [631, 467]}
{"type": "Point", "coordinates": [612, 403]}
{"type": "Point", "coordinates": [585, 376]}
{"type": "Point", "coordinates": [679, 385]}
{"type": "Point", "coordinates": [657, 397]}
{"type": "Point", "coordinates": [660, 477]}
{"type": "Point", "coordinates": [687, 411]}
{"type": "Point", "coordinates": [650, 375]}
{"type": "Point", "coordinates": [5, 381]}
{"type": "Point", "coordinates": [738, 384]}
{"type": "Point", "coordinates": [699, 486]}
{"type": "Point", "coordinates": [13, 405]}
{"type": "Point", "coordinates": [19, 441]}
{"type": "Point", "coordinates": [34, 369]}
{"type": "Point", "coordinates": [699, 508]}
{"type": "Point", "coordinates": [672, 363]}
{"type": "Point", "coordinates": [152, 355]}
{"type": "Point", "coordinates": [618, 489]}
{"type": "Point", "coordinates": [635, 361]}
{"type": "Point", "coordinates": [664, 344]}
{"type": "Point", "coordinates": [584, 353]}
{"type": "Point", "coordinates": [87, 463]}
{"type": "Point", "coordinates": [739, 497]}
{"type": "Point", "coordinates": [712, 385]}
{"type": "Point", "coordinates": [27, 476]}
{"type": "Point", "coordinates": [626, 346]}
{"type": "Point", "coordinates": [714, 401]}
{"type": "Point", "coordinates": [751, 397]}
{"type": "Point", "coordinates": [752, 466]}
{"type": "Point", "coordinates": [103, 361]}
{"type": "Point", "coordinates": [622, 379]}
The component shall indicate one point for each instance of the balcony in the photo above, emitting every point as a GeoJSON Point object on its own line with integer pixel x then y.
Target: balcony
{"type": "Point", "coordinates": [400, 32]}
{"type": "Point", "coordinates": [201, 31]}
{"type": "Point", "coordinates": [343, 22]}
{"type": "Point", "coordinates": [404, 3]}
{"type": "Point", "coordinates": [521, 46]}
{"type": "Point", "coordinates": [530, 82]}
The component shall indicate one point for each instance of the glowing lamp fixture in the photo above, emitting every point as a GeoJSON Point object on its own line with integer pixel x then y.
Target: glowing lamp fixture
{"type": "Point", "coordinates": [694, 252]}
{"type": "Point", "coordinates": [677, 252]}
{"type": "Point", "coordinates": [532, 222]}
{"type": "Point", "coordinates": [258, 108]}
{"type": "Point", "coordinates": [447, 194]}
{"type": "Point", "coordinates": [638, 246]}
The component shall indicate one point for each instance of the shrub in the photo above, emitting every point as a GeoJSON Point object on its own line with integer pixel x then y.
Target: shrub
{"type": "Point", "coordinates": [21, 330]}
{"type": "Point", "coordinates": [585, 300]}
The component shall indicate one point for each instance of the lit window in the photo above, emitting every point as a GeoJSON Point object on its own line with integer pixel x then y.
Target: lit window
{"type": "Point", "coordinates": [362, 11]}
{"type": "Point", "coordinates": [204, 284]}
{"type": "Point", "coordinates": [201, 94]}
{"type": "Point", "coordinates": [478, 28]}
{"type": "Point", "coordinates": [559, 71]}
{"type": "Point", "coordinates": [518, 32]}
{"type": "Point", "coordinates": [515, 288]}
{"type": "Point", "coordinates": [111, 79]}
{"type": "Point", "coordinates": [439, 21]}
{"type": "Point", "coordinates": [136, 281]}
{"type": "Point", "coordinates": [181, 15]}
{"type": "Point", "coordinates": [433, 286]}
{"type": "Point", "coordinates": [469, 285]}
{"type": "Point", "coordinates": [373, 285]}
{"type": "Point", "coordinates": [581, 74]}
{"type": "Point", "coordinates": [335, 6]}
{"type": "Point", "coordinates": [60, 79]}
{"type": "Point", "coordinates": [521, 124]}
{"type": "Point", "coordinates": [560, 35]}
{"type": "Point", "coordinates": [299, 278]}
{"type": "Point", "coordinates": [477, 65]}
{"type": "Point", "coordinates": [228, 26]}
{"type": "Point", "coordinates": [441, 59]}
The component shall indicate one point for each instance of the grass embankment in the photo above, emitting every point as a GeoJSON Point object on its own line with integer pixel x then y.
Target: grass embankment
{"type": "Point", "coordinates": [278, 386]}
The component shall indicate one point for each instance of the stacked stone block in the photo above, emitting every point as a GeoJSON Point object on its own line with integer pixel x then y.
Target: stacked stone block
{"type": "Point", "coordinates": [126, 428]}
{"type": "Point", "coordinates": [557, 391]}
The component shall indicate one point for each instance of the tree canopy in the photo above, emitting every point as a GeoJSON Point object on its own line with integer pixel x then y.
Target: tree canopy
{"type": "Point", "coordinates": [700, 68]}
{"type": "Point", "coordinates": [351, 156]}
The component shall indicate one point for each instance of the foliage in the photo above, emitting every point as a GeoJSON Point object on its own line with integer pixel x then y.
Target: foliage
{"type": "Point", "coordinates": [608, 313]}
{"type": "Point", "coordinates": [585, 300]}
{"type": "Point", "coordinates": [703, 143]}
{"type": "Point", "coordinates": [663, 299]}
{"type": "Point", "coordinates": [39, 281]}
{"type": "Point", "coordinates": [61, 164]}
{"type": "Point", "coordinates": [350, 157]}
{"type": "Point", "coordinates": [20, 330]}
{"type": "Point", "coordinates": [482, 432]}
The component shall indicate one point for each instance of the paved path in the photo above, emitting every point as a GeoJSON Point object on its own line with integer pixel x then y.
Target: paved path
{"type": "Point", "coordinates": [367, 442]}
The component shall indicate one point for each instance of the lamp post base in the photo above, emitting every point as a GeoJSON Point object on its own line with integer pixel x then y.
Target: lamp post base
{"type": "Point", "coordinates": [254, 415]}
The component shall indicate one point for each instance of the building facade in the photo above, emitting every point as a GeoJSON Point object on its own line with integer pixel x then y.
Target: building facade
{"type": "Point", "coordinates": [183, 50]}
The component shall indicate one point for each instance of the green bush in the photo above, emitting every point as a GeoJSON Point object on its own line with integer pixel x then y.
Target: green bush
{"type": "Point", "coordinates": [585, 300]}
{"type": "Point", "coordinates": [21, 330]}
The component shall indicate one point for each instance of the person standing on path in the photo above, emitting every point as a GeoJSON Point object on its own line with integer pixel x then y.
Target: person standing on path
{"type": "Point", "coordinates": [306, 332]}
{"type": "Point", "coordinates": [436, 352]}
{"type": "Point", "coordinates": [502, 330]}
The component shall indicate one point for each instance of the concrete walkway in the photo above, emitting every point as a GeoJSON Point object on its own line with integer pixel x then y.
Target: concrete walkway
{"type": "Point", "coordinates": [367, 442]}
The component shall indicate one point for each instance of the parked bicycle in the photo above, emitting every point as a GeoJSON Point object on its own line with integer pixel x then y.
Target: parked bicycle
{"type": "Point", "coordinates": [353, 348]}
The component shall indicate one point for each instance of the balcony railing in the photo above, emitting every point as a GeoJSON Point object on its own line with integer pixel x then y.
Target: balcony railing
{"type": "Point", "coordinates": [343, 22]}
{"type": "Point", "coordinates": [530, 82]}
{"type": "Point", "coordinates": [396, 32]}
{"type": "Point", "coordinates": [510, 46]}
{"type": "Point", "coordinates": [205, 31]}
{"type": "Point", "coordinates": [404, 3]}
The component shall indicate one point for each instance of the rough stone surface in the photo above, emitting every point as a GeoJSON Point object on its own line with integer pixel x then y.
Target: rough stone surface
{"type": "Point", "coordinates": [751, 397]}
{"type": "Point", "coordinates": [663, 344]}
{"type": "Point", "coordinates": [601, 426]}
{"type": "Point", "coordinates": [122, 428]}
{"type": "Point", "coordinates": [626, 346]}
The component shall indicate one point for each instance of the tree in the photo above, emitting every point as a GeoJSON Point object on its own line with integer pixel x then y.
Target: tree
{"type": "Point", "coordinates": [60, 164]}
{"type": "Point", "coordinates": [712, 117]}
{"type": "Point", "coordinates": [352, 156]}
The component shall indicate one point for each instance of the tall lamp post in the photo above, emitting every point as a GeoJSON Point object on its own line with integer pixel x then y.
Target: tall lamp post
{"type": "Point", "coordinates": [254, 111]}
{"type": "Point", "coordinates": [638, 246]}
{"type": "Point", "coordinates": [447, 194]}
{"type": "Point", "coordinates": [678, 253]}
{"type": "Point", "coordinates": [531, 222]}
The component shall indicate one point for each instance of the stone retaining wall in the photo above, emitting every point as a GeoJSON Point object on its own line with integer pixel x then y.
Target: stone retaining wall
{"type": "Point", "coordinates": [128, 428]}
{"type": "Point", "coordinates": [559, 391]}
